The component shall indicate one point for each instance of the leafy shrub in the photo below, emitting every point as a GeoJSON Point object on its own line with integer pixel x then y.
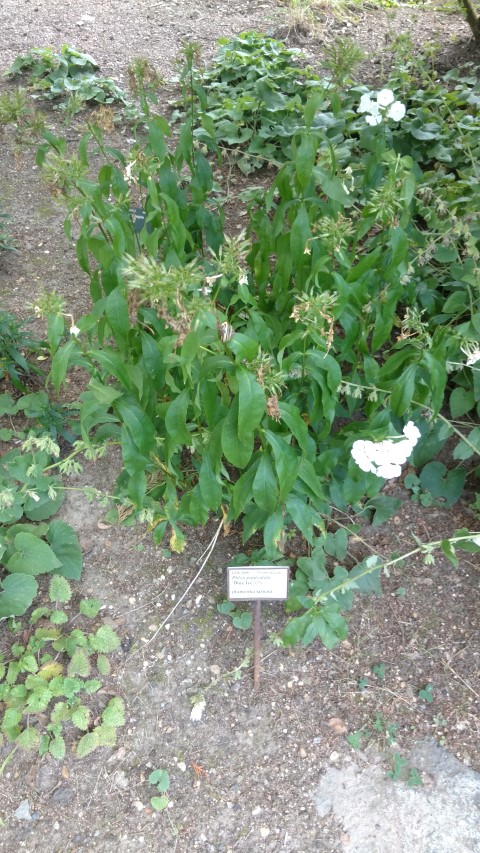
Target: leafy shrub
{"type": "Point", "coordinates": [238, 372]}
{"type": "Point", "coordinates": [69, 73]}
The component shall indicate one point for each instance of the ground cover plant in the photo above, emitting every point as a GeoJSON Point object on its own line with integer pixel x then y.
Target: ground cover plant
{"type": "Point", "coordinates": [291, 369]}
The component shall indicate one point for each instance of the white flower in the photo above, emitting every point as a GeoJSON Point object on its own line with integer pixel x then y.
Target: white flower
{"type": "Point", "coordinates": [411, 432]}
{"type": "Point", "coordinates": [32, 495]}
{"type": "Point", "coordinates": [476, 540]}
{"type": "Point", "coordinates": [385, 458]}
{"type": "Point", "coordinates": [365, 104]}
{"type": "Point", "coordinates": [388, 471]}
{"type": "Point", "coordinates": [243, 278]}
{"type": "Point", "coordinates": [396, 111]}
{"type": "Point", "coordinates": [197, 711]}
{"type": "Point", "coordinates": [74, 330]}
{"type": "Point", "coordinates": [385, 97]}
{"type": "Point", "coordinates": [373, 120]}
{"type": "Point", "coordinates": [473, 358]}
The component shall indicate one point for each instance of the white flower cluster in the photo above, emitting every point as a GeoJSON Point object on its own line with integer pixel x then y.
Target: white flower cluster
{"type": "Point", "coordinates": [385, 458]}
{"type": "Point", "coordinates": [385, 106]}
{"type": "Point", "coordinates": [472, 351]}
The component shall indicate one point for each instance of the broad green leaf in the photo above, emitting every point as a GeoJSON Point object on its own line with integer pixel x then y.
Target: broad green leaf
{"type": "Point", "coordinates": [210, 487]}
{"type": "Point", "coordinates": [57, 748]}
{"type": "Point", "coordinates": [161, 779]}
{"type": "Point", "coordinates": [265, 487]}
{"type": "Point", "coordinates": [33, 556]}
{"type": "Point", "coordinates": [299, 236]}
{"type": "Point", "coordinates": [462, 400]}
{"type": "Point", "coordinates": [403, 391]}
{"type": "Point", "coordinates": [175, 420]}
{"type": "Point", "coordinates": [65, 544]}
{"type": "Point", "coordinates": [159, 803]}
{"type": "Point", "coordinates": [236, 452]}
{"type": "Point", "coordinates": [286, 460]}
{"type": "Point", "coordinates": [116, 310]}
{"type": "Point", "coordinates": [16, 595]}
{"type": "Point", "coordinates": [251, 404]}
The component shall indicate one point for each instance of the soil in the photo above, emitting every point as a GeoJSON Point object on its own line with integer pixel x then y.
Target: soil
{"type": "Point", "coordinates": [243, 778]}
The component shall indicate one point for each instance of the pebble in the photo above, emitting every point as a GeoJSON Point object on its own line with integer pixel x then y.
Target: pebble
{"type": "Point", "coordinates": [334, 756]}
{"type": "Point", "coordinates": [264, 831]}
{"type": "Point", "coordinates": [302, 752]}
{"type": "Point", "coordinates": [23, 811]}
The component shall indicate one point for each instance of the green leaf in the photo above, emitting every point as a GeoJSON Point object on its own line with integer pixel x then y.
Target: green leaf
{"type": "Point", "coordinates": [236, 452]}
{"type": "Point", "coordinates": [265, 488]}
{"type": "Point", "coordinates": [161, 779]}
{"type": "Point", "coordinates": [28, 739]}
{"type": "Point", "coordinates": [65, 544]}
{"type": "Point", "coordinates": [403, 391]}
{"type": "Point", "coordinates": [114, 713]}
{"type": "Point", "coordinates": [175, 420]}
{"type": "Point", "coordinates": [17, 594]}
{"type": "Point", "coordinates": [299, 235]}
{"type": "Point", "coordinates": [79, 664]}
{"type": "Point", "coordinates": [59, 617]}
{"type": "Point", "coordinates": [286, 460]}
{"type": "Point", "coordinates": [59, 590]}
{"type": "Point", "coordinates": [105, 640]}
{"type": "Point", "coordinates": [103, 665]}
{"type": "Point", "coordinates": [462, 400]}
{"type": "Point", "coordinates": [87, 744]}
{"type": "Point", "coordinates": [90, 607]}
{"type": "Point", "coordinates": [116, 310]}
{"type": "Point", "coordinates": [159, 803]}
{"type": "Point", "coordinates": [243, 620]}
{"type": "Point", "coordinates": [32, 556]}
{"type": "Point", "coordinates": [210, 486]}
{"type": "Point", "coordinates": [251, 404]}
{"type": "Point", "coordinates": [81, 717]}
{"type": "Point", "coordinates": [56, 748]}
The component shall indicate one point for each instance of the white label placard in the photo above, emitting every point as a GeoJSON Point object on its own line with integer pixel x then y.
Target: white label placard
{"type": "Point", "coordinates": [257, 583]}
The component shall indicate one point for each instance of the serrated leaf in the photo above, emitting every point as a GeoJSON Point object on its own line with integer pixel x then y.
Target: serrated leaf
{"type": "Point", "coordinates": [38, 701]}
{"type": "Point", "coordinates": [38, 614]}
{"type": "Point", "coordinates": [79, 664]}
{"type": "Point", "coordinates": [87, 744]}
{"type": "Point", "coordinates": [103, 665]}
{"type": "Point", "coordinates": [107, 735]}
{"type": "Point", "coordinates": [59, 590]}
{"type": "Point", "coordinates": [92, 685]}
{"type": "Point", "coordinates": [105, 640]}
{"type": "Point", "coordinates": [11, 718]}
{"type": "Point", "coordinates": [52, 669]}
{"type": "Point", "coordinates": [59, 617]}
{"type": "Point", "coordinates": [114, 713]}
{"type": "Point", "coordinates": [60, 713]}
{"type": "Point", "coordinates": [90, 607]}
{"type": "Point", "coordinates": [81, 718]}
{"type": "Point", "coordinates": [28, 739]}
{"type": "Point", "coordinates": [57, 748]}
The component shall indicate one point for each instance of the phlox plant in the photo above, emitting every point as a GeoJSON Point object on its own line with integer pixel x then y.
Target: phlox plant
{"type": "Point", "coordinates": [237, 373]}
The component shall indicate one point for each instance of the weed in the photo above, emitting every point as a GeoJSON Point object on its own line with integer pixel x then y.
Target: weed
{"type": "Point", "coordinates": [46, 680]}
{"type": "Point", "coordinates": [18, 349]}
{"type": "Point", "coordinates": [342, 56]}
{"type": "Point", "coordinates": [161, 780]}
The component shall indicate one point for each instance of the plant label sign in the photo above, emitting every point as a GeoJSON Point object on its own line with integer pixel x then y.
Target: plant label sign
{"type": "Point", "coordinates": [257, 583]}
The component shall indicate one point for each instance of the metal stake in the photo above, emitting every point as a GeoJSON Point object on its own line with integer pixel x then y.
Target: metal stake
{"type": "Point", "coordinates": [257, 634]}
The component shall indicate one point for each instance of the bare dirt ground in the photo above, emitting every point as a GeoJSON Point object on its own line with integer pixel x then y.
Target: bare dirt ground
{"type": "Point", "coordinates": [246, 777]}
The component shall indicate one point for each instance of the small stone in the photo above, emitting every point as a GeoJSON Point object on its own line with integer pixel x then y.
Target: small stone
{"type": "Point", "coordinates": [138, 805]}
{"type": "Point", "coordinates": [256, 811]}
{"type": "Point", "coordinates": [215, 669]}
{"type": "Point", "coordinates": [302, 752]}
{"type": "Point", "coordinates": [23, 811]}
{"type": "Point", "coordinates": [182, 766]}
{"type": "Point", "coordinates": [264, 831]}
{"type": "Point", "coordinates": [334, 756]}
